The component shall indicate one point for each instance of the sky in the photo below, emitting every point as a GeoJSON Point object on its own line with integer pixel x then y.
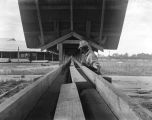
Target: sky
{"type": "Point", "coordinates": [10, 25]}
{"type": "Point", "coordinates": [136, 35]}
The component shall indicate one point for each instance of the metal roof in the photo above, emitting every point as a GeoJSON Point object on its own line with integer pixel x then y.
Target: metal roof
{"type": "Point", "coordinates": [97, 21]}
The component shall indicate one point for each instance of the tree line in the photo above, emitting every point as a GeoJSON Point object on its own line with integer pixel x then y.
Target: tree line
{"type": "Point", "coordinates": [126, 56]}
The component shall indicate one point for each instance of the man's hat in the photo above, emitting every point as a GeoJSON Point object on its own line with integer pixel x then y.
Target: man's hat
{"type": "Point", "coordinates": [83, 44]}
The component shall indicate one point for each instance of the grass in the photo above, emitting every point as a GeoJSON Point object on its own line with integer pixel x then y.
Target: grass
{"type": "Point", "coordinates": [127, 67]}
{"type": "Point", "coordinates": [25, 68]}
{"type": "Point", "coordinates": [12, 86]}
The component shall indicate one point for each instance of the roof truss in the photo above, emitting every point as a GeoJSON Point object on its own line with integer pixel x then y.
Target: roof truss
{"type": "Point", "coordinates": [71, 34]}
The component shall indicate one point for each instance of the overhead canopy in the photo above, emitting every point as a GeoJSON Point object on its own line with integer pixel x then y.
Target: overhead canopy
{"type": "Point", "coordinates": [97, 21]}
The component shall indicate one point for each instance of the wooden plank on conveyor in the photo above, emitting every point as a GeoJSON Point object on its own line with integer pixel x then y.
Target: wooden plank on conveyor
{"type": "Point", "coordinates": [75, 75]}
{"type": "Point", "coordinates": [69, 104]}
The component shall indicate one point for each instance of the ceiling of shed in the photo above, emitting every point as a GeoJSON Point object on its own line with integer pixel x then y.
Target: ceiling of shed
{"type": "Point", "coordinates": [98, 21]}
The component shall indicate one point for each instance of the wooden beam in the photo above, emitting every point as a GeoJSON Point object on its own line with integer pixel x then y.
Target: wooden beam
{"type": "Point", "coordinates": [58, 7]}
{"type": "Point", "coordinates": [102, 20]}
{"type": "Point", "coordinates": [71, 14]}
{"type": "Point", "coordinates": [66, 7]}
{"type": "Point", "coordinates": [61, 39]}
{"type": "Point", "coordinates": [69, 105]}
{"type": "Point", "coordinates": [112, 96]}
{"type": "Point", "coordinates": [99, 47]}
{"type": "Point", "coordinates": [80, 37]}
{"type": "Point", "coordinates": [71, 42]}
{"type": "Point", "coordinates": [1, 54]}
{"type": "Point", "coordinates": [103, 41]}
{"type": "Point", "coordinates": [60, 46]}
{"type": "Point", "coordinates": [107, 34]}
{"type": "Point", "coordinates": [76, 76]}
{"type": "Point", "coordinates": [40, 22]}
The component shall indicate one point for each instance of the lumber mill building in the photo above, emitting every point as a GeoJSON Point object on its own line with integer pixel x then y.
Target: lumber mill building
{"type": "Point", "coordinates": [12, 50]}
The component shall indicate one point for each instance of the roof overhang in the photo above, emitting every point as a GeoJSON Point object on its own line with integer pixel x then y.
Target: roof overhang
{"type": "Point", "coordinates": [48, 22]}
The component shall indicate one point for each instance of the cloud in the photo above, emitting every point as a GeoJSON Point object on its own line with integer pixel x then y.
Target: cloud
{"type": "Point", "coordinates": [12, 39]}
{"type": "Point", "coordinates": [10, 21]}
{"type": "Point", "coordinates": [136, 35]}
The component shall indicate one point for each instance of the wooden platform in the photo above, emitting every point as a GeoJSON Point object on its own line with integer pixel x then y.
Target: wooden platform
{"type": "Point", "coordinates": [69, 104]}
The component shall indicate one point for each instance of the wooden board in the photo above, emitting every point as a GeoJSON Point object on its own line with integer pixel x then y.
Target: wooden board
{"type": "Point", "coordinates": [69, 104]}
{"type": "Point", "coordinates": [75, 75]}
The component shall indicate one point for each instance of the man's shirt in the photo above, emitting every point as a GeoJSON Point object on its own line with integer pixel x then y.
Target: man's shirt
{"type": "Point", "coordinates": [90, 59]}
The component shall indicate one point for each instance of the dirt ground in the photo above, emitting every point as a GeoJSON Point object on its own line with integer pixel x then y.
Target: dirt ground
{"type": "Point", "coordinates": [139, 88]}
{"type": "Point", "coordinates": [126, 67]}
{"type": "Point", "coordinates": [26, 68]}
{"type": "Point", "coordinates": [132, 76]}
{"type": "Point", "coordinates": [9, 88]}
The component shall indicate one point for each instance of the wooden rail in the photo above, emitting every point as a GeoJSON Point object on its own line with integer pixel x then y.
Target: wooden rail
{"type": "Point", "coordinates": [69, 105]}
{"type": "Point", "coordinates": [75, 75]}
{"type": "Point", "coordinates": [20, 105]}
{"type": "Point", "coordinates": [121, 105]}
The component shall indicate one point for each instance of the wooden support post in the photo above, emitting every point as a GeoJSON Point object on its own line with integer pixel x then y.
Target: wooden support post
{"type": "Point", "coordinates": [44, 55]}
{"type": "Point", "coordinates": [36, 56]}
{"type": "Point", "coordinates": [52, 56]}
{"type": "Point", "coordinates": [60, 46]}
{"type": "Point", "coordinates": [18, 54]}
{"type": "Point", "coordinates": [1, 55]}
{"type": "Point", "coordinates": [9, 57]}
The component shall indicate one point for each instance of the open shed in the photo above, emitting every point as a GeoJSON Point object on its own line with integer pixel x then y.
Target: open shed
{"type": "Point", "coordinates": [48, 24]}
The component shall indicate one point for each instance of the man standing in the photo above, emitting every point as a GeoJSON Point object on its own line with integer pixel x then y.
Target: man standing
{"type": "Point", "coordinates": [89, 59]}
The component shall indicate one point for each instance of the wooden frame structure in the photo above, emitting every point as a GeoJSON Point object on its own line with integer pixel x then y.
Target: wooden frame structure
{"type": "Point", "coordinates": [49, 23]}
